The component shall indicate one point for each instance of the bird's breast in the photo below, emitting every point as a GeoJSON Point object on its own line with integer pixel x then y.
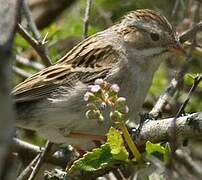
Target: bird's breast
{"type": "Point", "coordinates": [134, 83]}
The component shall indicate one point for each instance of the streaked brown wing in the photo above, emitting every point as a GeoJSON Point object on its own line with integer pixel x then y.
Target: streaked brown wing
{"type": "Point", "coordinates": [43, 84]}
{"type": "Point", "coordinates": [86, 62]}
{"type": "Point", "coordinates": [94, 51]}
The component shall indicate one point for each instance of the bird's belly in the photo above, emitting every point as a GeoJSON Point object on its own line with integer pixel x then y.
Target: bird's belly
{"type": "Point", "coordinates": [58, 119]}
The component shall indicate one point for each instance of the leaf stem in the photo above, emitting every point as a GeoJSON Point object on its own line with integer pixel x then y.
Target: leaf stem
{"type": "Point", "coordinates": [130, 142]}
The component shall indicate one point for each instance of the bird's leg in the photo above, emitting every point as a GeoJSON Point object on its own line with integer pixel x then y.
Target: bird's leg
{"type": "Point", "coordinates": [143, 118]}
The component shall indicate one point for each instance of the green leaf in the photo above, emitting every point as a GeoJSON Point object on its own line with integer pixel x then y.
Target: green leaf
{"type": "Point", "coordinates": [157, 150]}
{"type": "Point", "coordinates": [112, 152]}
{"type": "Point", "coordinates": [116, 143]}
{"type": "Point", "coordinates": [97, 159]}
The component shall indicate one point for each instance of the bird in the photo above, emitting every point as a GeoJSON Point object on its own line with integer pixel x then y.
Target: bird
{"type": "Point", "coordinates": [128, 53]}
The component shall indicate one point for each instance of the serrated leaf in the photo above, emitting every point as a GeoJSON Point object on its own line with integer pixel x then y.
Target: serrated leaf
{"type": "Point", "coordinates": [97, 159]}
{"type": "Point", "coordinates": [116, 143]}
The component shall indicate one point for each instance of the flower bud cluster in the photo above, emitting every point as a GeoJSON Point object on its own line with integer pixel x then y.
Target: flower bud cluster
{"type": "Point", "coordinates": [101, 95]}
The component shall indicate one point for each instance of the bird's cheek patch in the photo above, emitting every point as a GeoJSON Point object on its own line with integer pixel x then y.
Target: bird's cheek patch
{"type": "Point", "coordinates": [134, 39]}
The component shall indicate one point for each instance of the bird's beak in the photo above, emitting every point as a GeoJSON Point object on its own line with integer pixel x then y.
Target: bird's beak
{"type": "Point", "coordinates": [177, 49]}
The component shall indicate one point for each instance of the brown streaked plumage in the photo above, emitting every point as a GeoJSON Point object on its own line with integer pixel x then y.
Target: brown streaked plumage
{"type": "Point", "coordinates": [76, 66]}
{"type": "Point", "coordinates": [148, 15]}
{"type": "Point", "coordinates": [128, 53]}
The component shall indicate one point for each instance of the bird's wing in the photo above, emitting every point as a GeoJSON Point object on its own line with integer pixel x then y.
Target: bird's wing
{"type": "Point", "coordinates": [85, 63]}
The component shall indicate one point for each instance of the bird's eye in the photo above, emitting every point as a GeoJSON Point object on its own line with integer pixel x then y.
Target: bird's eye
{"type": "Point", "coordinates": [154, 36]}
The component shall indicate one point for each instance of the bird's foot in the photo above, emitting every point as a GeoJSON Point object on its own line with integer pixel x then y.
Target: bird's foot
{"type": "Point", "coordinates": [144, 117]}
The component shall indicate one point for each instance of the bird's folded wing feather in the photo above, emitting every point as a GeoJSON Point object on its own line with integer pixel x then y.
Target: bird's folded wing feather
{"type": "Point", "coordinates": [89, 60]}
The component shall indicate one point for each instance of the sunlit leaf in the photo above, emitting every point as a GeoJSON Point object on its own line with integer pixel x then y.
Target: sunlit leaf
{"type": "Point", "coordinates": [116, 143]}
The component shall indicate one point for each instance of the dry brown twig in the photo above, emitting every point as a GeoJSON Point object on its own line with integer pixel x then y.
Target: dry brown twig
{"type": "Point", "coordinates": [38, 46]}
{"type": "Point", "coordinates": [37, 43]}
{"type": "Point", "coordinates": [30, 21]}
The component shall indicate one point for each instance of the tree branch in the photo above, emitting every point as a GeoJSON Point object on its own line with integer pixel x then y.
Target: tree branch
{"type": "Point", "coordinates": [40, 160]}
{"type": "Point", "coordinates": [24, 74]}
{"type": "Point", "coordinates": [190, 33]}
{"type": "Point", "coordinates": [163, 99]}
{"type": "Point", "coordinates": [27, 151]}
{"type": "Point", "coordinates": [189, 126]}
{"type": "Point", "coordinates": [32, 64]}
{"type": "Point", "coordinates": [37, 45]}
{"type": "Point", "coordinates": [32, 26]}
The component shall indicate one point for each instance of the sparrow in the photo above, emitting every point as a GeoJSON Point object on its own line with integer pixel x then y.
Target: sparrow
{"type": "Point", "coordinates": [127, 53]}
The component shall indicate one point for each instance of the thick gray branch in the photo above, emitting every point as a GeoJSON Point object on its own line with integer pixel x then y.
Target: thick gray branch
{"type": "Point", "coordinates": [189, 126]}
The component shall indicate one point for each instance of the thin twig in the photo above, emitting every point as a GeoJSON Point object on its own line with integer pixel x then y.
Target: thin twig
{"type": "Point", "coordinates": [40, 160]}
{"type": "Point", "coordinates": [21, 72]}
{"type": "Point", "coordinates": [30, 21]}
{"type": "Point", "coordinates": [197, 80]}
{"type": "Point", "coordinates": [171, 89]}
{"type": "Point", "coordinates": [28, 169]}
{"type": "Point", "coordinates": [176, 5]}
{"type": "Point", "coordinates": [163, 99]}
{"type": "Point", "coordinates": [24, 61]}
{"type": "Point", "coordinates": [38, 46]}
{"type": "Point", "coordinates": [86, 18]}
{"type": "Point", "coordinates": [184, 158]}
{"type": "Point", "coordinates": [32, 26]}
{"type": "Point", "coordinates": [190, 33]}
{"type": "Point", "coordinates": [59, 158]}
{"type": "Point", "coordinates": [177, 170]}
